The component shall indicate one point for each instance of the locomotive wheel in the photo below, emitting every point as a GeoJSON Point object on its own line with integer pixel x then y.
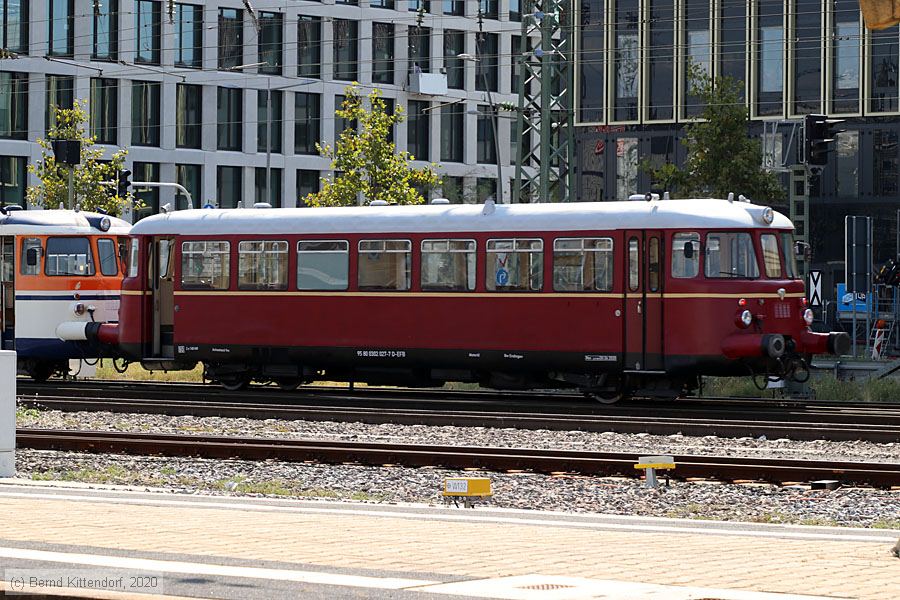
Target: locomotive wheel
{"type": "Point", "coordinates": [234, 384]}
{"type": "Point", "coordinates": [288, 384]}
{"type": "Point", "coordinates": [607, 397]}
{"type": "Point", "coordinates": [40, 371]}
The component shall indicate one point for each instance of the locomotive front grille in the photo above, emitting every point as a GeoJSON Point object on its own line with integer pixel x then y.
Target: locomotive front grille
{"type": "Point", "coordinates": [782, 310]}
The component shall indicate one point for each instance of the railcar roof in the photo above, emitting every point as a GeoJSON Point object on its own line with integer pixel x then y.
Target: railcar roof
{"type": "Point", "coordinates": [37, 222]}
{"type": "Point", "coordinates": [576, 216]}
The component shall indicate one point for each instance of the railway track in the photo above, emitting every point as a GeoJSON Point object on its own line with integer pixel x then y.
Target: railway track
{"type": "Point", "coordinates": [453, 457]}
{"type": "Point", "coordinates": [693, 417]}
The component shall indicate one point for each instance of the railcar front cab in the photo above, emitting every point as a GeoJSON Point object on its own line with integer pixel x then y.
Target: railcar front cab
{"type": "Point", "coordinates": [764, 300]}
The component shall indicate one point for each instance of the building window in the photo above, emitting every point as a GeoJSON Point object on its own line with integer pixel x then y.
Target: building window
{"type": "Point", "coordinates": [515, 10]}
{"type": "Point", "coordinates": [770, 57]}
{"type": "Point", "coordinates": [626, 167]}
{"type": "Point", "coordinates": [12, 180]}
{"type": "Point", "coordinates": [352, 2]}
{"type": "Point", "coordinates": [419, 49]}
{"type": "Point", "coordinates": [808, 56]}
{"type": "Point", "coordinates": [188, 36]}
{"type": "Point", "coordinates": [389, 4]}
{"type": "Point", "coordinates": [266, 124]}
{"type": "Point", "coordinates": [662, 64]}
{"type": "Point", "coordinates": [515, 265]}
{"type": "Point", "coordinates": [105, 110]}
{"type": "Point", "coordinates": [454, 7]}
{"type": "Point", "coordinates": [62, 28]}
{"type": "Point", "coordinates": [307, 183]}
{"type": "Point", "coordinates": [698, 48]}
{"type": "Point", "coordinates": [148, 32]}
{"type": "Point", "coordinates": [231, 38]}
{"type": "Point", "coordinates": [383, 53]}
{"type": "Point", "coordinates": [487, 67]}
{"type": "Point", "coordinates": [230, 111]}
{"type": "Point", "coordinates": [106, 30]}
{"type": "Point", "coordinates": [487, 125]}
{"type": "Point", "coordinates": [884, 69]}
{"type": "Point", "coordinates": [847, 36]}
{"type": "Point", "coordinates": [886, 165]}
{"type": "Point", "coordinates": [485, 189]}
{"type": "Point", "coordinates": [346, 41]}
{"type": "Point", "coordinates": [188, 115]}
{"type": "Point", "coordinates": [340, 123]}
{"type": "Point", "coordinates": [592, 63]}
{"type": "Point", "coordinates": [846, 172]}
{"type": "Point", "coordinates": [190, 177]}
{"type": "Point", "coordinates": [452, 132]}
{"type": "Point", "coordinates": [14, 25]}
{"type": "Point", "coordinates": [60, 95]}
{"type": "Point", "coordinates": [490, 9]}
{"type": "Point", "coordinates": [422, 6]}
{"type": "Point", "coordinates": [145, 113]}
{"type": "Point", "coordinates": [14, 106]}
{"type": "Point", "coordinates": [148, 196]}
{"type": "Point", "coordinates": [385, 265]}
{"type": "Point", "coordinates": [229, 186]}
{"type": "Point", "coordinates": [454, 45]}
{"type": "Point", "coordinates": [626, 70]}
{"type": "Point", "coordinates": [309, 46]}
{"type": "Point", "coordinates": [452, 189]}
{"type": "Point", "coordinates": [273, 196]}
{"type": "Point", "coordinates": [418, 127]}
{"type": "Point", "coordinates": [307, 122]}
{"type": "Point", "coordinates": [733, 41]}
{"type": "Point", "coordinates": [271, 42]}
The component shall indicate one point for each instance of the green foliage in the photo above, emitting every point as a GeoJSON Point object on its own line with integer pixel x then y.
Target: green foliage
{"type": "Point", "coordinates": [721, 157]}
{"type": "Point", "coordinates": [825, 387]}
{"type": "Point", "coordinates": [366, 161]}
{"type": "Point", "coordinates": [71, 124]}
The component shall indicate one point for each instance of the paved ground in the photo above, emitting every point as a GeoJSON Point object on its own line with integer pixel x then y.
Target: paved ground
{"type": "Point", "coordinates": [216, 547]}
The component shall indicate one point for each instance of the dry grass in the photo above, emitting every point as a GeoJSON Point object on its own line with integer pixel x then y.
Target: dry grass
{"type": "Point", "coordinates": [136, 372]}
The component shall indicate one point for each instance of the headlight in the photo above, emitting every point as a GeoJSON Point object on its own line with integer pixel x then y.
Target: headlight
{"type": "Point", "coordinates": [768, 215]}
{"type": "Point", "coordinates": [78, 309]}
{"type": "Point", "coordinates": [105, 224]}
{"type": "Point", "coordinates": [808, 316]}
{"type": "Point", "coordinates": [744, 319]}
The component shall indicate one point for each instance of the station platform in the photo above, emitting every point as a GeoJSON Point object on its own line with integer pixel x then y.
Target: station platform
{"type": "Point", "coordinates": [199, 546]}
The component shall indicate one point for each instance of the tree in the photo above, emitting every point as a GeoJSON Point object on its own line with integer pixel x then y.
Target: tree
{"type": "Point", "coordinates": [721, 156]}
{"type": "Point", "coordinates": [366, 161]}
{"type": "Point", "coordinates": [53, 191]}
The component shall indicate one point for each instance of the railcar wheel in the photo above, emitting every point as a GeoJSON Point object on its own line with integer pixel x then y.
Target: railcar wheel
{"type": "Point", "coordinates": [607, 397]}
{"type": "Point", "coordinates": [40, 371]}
{"type": "Point", "coordinates": [234, 384]}
{"type": "Point", "coordinates": [288, 384]}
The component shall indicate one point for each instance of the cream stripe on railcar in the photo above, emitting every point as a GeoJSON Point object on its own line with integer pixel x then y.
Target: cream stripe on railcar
{"type": "Point", "coordinates": [38, 319]}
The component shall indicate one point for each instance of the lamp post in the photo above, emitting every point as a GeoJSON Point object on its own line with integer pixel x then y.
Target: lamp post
{"type": "Point", "coordinates": [490, 100]}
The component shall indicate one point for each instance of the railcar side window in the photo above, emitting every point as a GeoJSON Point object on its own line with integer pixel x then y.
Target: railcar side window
{"type": "Point", "coordinates": [262, 265]}
{"type": "Point", "coordinates": [582, 264]}
{"type": "Point", "coordinates": [106, 250]}
{"type": "Point", "coordinates": [384, 265]}
{"type": "Point", "coordinates": [790, 259]}
{"type": "Point", "coordinates": [205, 265]}
{"type": "Point", "coordinates": [323, 265]}
{"type": "Point", "coordinates": [69, 256]}
{"type": "Point", "coordinates": [685, 255]}
{"type": "Point", "coordinates": [769, 245]}
{"type": "Point", "coordinates": [730, 255]}
{"type": "Point", "coordinates": [448, 265]}
{"type": "Point", "coordinates": [515, 265]}
{"type": "Point", "coordinates": [31, 256]}
{"type": "Point", "coordinates": [133, 258]}
{"type": "Point", "coordinates": [634, 264]}
{"type": "Point", "coordinates": [653, 268]}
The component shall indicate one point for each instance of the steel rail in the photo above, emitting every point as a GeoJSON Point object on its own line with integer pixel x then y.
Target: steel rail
{"type": "Point", "coordinates": [453, 457]}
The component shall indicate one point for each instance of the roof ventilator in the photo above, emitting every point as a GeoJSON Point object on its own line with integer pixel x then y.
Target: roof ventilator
{"type": "Point", "coordinates": [440, 201]}
{"type": "Point", "coordinates": [378, 203]}
{"type": "Point", "coordinates": [261, 205]}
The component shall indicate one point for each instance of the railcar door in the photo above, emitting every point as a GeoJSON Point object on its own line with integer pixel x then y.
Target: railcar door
{"type": "Point", "coordinates": [162, 288]}
{"type": "Point", "coordinates": [7, 292]}
{"type": "Point", "coordinates": [643, 300]}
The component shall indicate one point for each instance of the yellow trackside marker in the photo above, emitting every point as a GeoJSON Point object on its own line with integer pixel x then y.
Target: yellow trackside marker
{"type": "Point", "coordinates": [467, 488]}
{"type": "Point", "coordinates": [650, 464]}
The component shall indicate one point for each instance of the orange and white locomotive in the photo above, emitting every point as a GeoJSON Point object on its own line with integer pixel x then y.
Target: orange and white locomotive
{"type": "Point", "coordinates": [614, 298]}
{"type": "Point", "coordinates": [60, 280]}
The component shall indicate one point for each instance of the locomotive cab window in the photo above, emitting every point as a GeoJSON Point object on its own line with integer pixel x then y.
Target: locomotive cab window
{"type": "Point", "coordinates": [790, 258]}
{"type": "Point", "coordinates": [685, 255]}
{"type": "Point", "coordinates": [384, 265]}
{"type": "Point", "coordinates": [771, 261]}
{"type": "Point", "coordinates": [730, 255]}
{"type": "Point", "coordinates": [262, 265]}
{"type": "Point", "coordinates": [582, 264]}
{"type": "Point", "coordinates": [107, 254]}
{"type": "Point", "coordinates": [69, 256]}
{"type": "Point", "coordinates": [448, 265]}
{"type": "Point", "coordinates": [31, 256]}
{"type": "Point", "coordinates": [515, 265]}
{"type": "Point", "coordinates": [133, 257]}
{"type": "Point", "coordinates": [205, 265]}
{"type": "Point", "coordinates": [323, 265]}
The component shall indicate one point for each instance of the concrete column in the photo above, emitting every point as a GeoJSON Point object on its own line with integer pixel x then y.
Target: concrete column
{"type": "Point", "coordinates": [7, 413]}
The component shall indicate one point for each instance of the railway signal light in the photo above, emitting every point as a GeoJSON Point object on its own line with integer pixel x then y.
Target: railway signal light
{"type": "Point", "coordinates": [819, 135]}
{"type": "Point", "coordinates": [123, 183]}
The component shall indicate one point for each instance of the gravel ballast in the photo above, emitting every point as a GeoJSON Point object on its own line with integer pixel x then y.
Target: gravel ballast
{"type": "Point", "coordinates": [858, 507]}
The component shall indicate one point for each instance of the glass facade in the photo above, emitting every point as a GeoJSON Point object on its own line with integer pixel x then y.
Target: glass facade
{"type": "Point", "coordinates": [307, 122]}
{"type": "Point", "coordinates": [105, 110]}
{"type": "Point", "coordinates": [147, 23]}
{"type": "Point", "coordinates": [188, 115]}
{"type": "Point", "coordinates": [14, 25]}
{"type": "Point", "coordinates": [487, 142]}
{"type": "Point", "coordinates": [698, 49]}
{"type": "Point", "coordinates": [230, 108]}
{"type": "Point", "coordinates": [62, 28]}
{"type": "Point", "coordinates": [266, 125]}
{"type": "Point", "coordinates": [418, 130]}
{"type": "Point", "coordinates": [273, 196]}
{"type": "Point", "coordinates": [346, 49]}
{"type": "Point", "coordinates": [229, 186]}
{"type": "Point", "coordinates": [188, 36]}
{"type": "Point", "coordinates": [13, 181]}
{"type": "Point", "coordinates": [106, 31]}
{"type": "Point", "coordinates": [454, 45]}
{"type": "Point", "coordinates": [382, 53]}
{"type": "Point", "coordinates": [452, 132]}
{"type": "Point", "coordinates": [847, 36]}
{"type": "Point", "coordinates": [189, 176]}
{"type": "Point", "coordinates": [627, 60]}
{"type": "Point", "coordinates": [662, 60]}
{"type": "Point", "coordinates": [14, 105]}
{"type": "Point", "coordinates": [148, 196]}
{"type": "Point", "coordinates": [808, 57]}
{"type": "Point", "coordinates": [60, 94]}
{"type": "Point", "coordinates": [231, 38]}
{"type": "Point", "coordinates": [145, 113]}
{"type": "Point", "coordinates": [271, 42]}
{"type": "Point", "coordinates": [307, 183]}
{"type": "Point", "coordinates": [487, 68]}
{"type": "Point", "coordinates": [419, 49]}
{"type": "Point", "coordinates": [309, 47]}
